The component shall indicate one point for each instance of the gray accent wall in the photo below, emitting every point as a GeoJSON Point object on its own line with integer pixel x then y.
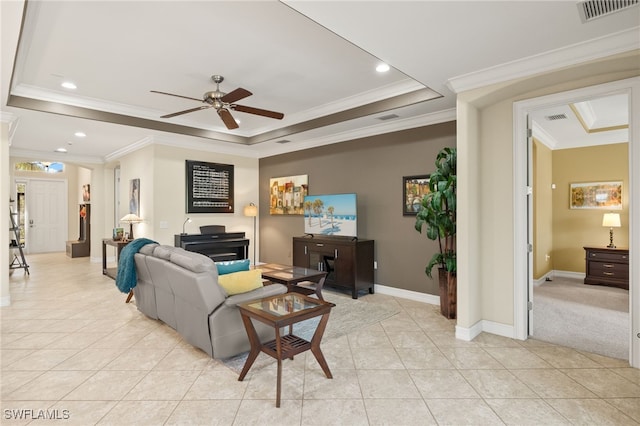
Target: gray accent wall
{"type": "Point", "coordinates": [372, 168]}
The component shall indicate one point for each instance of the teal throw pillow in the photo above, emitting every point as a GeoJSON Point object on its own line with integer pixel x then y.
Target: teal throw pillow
{"type": "Point", "coordinates": [231, 266]}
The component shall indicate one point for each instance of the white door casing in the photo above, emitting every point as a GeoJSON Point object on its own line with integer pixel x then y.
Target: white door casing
{"type": "Point", "coordinates": [46, 215]}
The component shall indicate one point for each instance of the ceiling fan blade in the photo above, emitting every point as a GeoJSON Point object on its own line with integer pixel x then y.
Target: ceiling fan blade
{"type": "Point", "coordinates": [186, 111]}
{"type": "Point", "coordinates": [178, 96]}
{"type": "Point", "coordinates": [236, 95]}
{"type": "Point", "coordinates": [258, 111]}
{"type": "Point", "coordinates": [227, 118]}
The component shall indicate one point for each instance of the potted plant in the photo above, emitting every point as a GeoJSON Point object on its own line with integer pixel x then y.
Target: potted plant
{"type": "Point", "coordinates": [437, 215]}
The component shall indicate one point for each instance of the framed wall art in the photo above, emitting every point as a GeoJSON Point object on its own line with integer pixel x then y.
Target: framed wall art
{"type": "Point", "coordinates": [414, 188]}
{"type": "Point", "coordinates": [209, 187]}
{"type": "Point", "coordinates": [596, 195]}
{"type": "Point", "coordinates": [134, 196]}
{"type": "Point", "coordinates": [287, 194]}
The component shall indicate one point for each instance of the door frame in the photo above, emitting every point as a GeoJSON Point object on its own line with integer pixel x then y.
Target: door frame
{"type": "Point", "coordinates": [65, 225]}
{"type": "Point", "coordinates": [523, 279]}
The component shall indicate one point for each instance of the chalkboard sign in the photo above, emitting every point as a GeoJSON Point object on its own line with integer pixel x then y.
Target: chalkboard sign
{"type": "Point", "coordinates": [209, 187]}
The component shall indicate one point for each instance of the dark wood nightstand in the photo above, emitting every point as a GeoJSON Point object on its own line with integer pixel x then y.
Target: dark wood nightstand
{"type": "Point", "coordinates": [607, 266]}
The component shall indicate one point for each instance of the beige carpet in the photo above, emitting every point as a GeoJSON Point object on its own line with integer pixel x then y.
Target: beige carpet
{"type": "Point", "coordinates": [347, 316]}
{"type": "Point", "coordinates": [585, 317]}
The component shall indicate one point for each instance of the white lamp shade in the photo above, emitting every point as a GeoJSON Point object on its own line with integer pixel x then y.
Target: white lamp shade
{"type": "Point", "coordinates": [131, 218]}
{"type": "Point", "coordinates": [611, 220]}
{"type": "Point", "coordinates": [251, 210]}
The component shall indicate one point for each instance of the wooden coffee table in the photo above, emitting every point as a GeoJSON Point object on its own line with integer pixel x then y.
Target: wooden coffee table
{"type": "Point", "coordinates": [291, 276]}
{"type": "Point", "coordinates": [278, 312]}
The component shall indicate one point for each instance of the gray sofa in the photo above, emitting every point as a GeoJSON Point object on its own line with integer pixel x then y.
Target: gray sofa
{"type": "Point", "coordinates": [181, 289]}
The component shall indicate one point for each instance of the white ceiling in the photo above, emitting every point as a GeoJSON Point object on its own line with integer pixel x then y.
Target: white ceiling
{"type": "Point", "coordinates": [311, 60]}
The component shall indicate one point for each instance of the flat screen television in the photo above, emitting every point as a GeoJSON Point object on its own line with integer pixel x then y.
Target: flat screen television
{"type": "Point", "coordinates": [331, 214]}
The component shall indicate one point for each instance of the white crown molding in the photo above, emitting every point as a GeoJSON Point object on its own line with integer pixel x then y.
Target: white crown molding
{"type": "Point", "coordinates": [12, 120]}
{"type": "Point", "coordinates": [362, 132]}
{"type": "Point", "coordinates": [194, 144]}
{"type": "Point", "coordinates": [543, 136]}
{"type": "Point", "coordinates": [146, 141]}
{"type": "Point", "coordinates": [54, 156]}
{"type": "Point", "coordinates": [601, 47]}
{"type": "Point", "coordinates": [378, 94]}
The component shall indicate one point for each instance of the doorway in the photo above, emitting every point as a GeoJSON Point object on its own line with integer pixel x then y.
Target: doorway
{"type": "Point", "coordinates": [522, 226]}
{"type": "Point", "coordinates": [45, 214]}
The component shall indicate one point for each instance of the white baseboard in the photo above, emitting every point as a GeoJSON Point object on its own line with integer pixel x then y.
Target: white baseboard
{"type": "Point", "coordinates": [569, 274]}
{"type": "Point", "coordinates": [407, 294]}
{"type": "Point", "coordinates": [462, 333]}
{"type": "Point", "coordinates": [491, 327]}
{"type": "Point", "coordinates": [5, 301]}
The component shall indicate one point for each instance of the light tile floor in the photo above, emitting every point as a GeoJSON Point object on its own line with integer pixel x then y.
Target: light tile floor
{"type": "Point", "coordinates": [71, 348]}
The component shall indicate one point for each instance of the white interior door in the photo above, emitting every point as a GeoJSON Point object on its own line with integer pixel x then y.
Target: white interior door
{"type": "Point", "coordinates": [46, 216]}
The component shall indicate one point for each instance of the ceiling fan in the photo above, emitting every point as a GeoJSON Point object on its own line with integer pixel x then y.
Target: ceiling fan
{"type": "Point", "coordinates": [223, 102]}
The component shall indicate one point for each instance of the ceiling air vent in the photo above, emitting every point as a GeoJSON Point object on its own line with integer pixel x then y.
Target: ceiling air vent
{"type": "Point", "coordinates": [592, 9]}
{"type": "Point", "coordinates": [556, 117]}
{"type": "Point", "coordinates": [388, 117]}
{"type": "Point", "coordinates": [283, 141]}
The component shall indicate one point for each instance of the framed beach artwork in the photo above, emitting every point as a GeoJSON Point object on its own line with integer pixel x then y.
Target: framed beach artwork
{"type": "Point", "coordinates": [596, 195]}
{"type": "Point", "coordinates": [414, 188]}
{"type": "Point", "coordinates": [286, 194]}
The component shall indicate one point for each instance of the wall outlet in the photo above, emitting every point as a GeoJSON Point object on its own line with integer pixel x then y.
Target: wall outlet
{"type": "Point", "coordinates": [164, 224]}
{"type": "Point", "coordinates": [547, 257]}
{"type": "Point", "coordinates": [375, 264]}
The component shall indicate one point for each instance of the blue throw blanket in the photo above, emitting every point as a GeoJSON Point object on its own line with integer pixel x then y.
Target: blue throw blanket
{"type": "Point", "coordinates": [126, 278]}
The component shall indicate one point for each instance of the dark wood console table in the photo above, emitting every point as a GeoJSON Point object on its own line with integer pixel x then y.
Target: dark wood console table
{"type": "Point", "coordinates": [119, 245]}
{"type": "Point", "coordinates": [347, 262]}
{"type": "Point", "coordinates": [607, 266]}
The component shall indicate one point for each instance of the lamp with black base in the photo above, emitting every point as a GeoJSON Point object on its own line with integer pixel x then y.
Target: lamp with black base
{"type": "Point", "coordinates": [131, 219]}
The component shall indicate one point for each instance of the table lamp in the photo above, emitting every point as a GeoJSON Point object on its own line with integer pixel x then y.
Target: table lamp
{"type": "Point", "coordinates": [252, 211]}
{"type": "Point", "coordinates": [131, 219]}
{"type": "Point", "coordinates": [611, 220]}
{"type": "Point", "coordinates": [187, 220]}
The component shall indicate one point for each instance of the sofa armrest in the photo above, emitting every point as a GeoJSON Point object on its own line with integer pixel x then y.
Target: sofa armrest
{"type": "Point", "coordinates": [259, 293]}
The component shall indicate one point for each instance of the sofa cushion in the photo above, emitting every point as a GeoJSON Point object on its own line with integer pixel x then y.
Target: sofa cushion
{"type": "Point", "coordinates": [163, 252]}
{"type": "Point", "coordinates": [192, 261]}
{"type": "Point", "coordinates": [241, 282]}
{"type": "Point", "coordinates": [148, 249]}
{"type": "Point", "coordinates": [231, 266]}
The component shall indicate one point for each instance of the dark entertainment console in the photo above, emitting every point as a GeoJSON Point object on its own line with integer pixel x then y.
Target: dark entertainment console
{"type": "Point", "coordinates": [348, 262]}
{"type": "Point", "coordinates": [607, 266]}
{"type": "Point", "coordinates": [219, 245]}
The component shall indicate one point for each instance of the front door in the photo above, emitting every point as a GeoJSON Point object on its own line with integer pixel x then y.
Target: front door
{"type": "Point", "coordinates": [46, 216]}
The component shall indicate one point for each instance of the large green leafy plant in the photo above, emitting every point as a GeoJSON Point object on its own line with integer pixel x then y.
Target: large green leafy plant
{"type": "Point", "coordinates": [438, 212]}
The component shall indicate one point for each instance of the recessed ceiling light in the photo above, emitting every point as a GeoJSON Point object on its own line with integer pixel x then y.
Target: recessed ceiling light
{"type": "Point", "coordinates": [80, 134]}
{"type": "Point", "coordinates": [69, 85]}
{"type": "Point", "coordinates": [382, 68]}
{"type": "Point", "coordinates": [61, 150]}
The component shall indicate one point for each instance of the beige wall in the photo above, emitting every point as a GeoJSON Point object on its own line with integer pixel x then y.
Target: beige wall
{"type": "Point", "coordinates": [573, 229]}
{"type": "Point", "coordinates": [372, 168]}
{"type": "Point", "coordinates": [161, 170]}
{"type": "Point", "coordinates": [543, 208]}
{"type": "Point", "coordinates": [5, 179]}
{"type": "Point", "coordinates": [490, 271]}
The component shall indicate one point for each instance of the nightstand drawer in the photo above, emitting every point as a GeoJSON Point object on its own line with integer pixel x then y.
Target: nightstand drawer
{"type": "Point", "coordinates": [609, 270]}
{"type": "Point", "coordinates": [607, 266]}
{"type": "Point", "coordinates": [603, 256]}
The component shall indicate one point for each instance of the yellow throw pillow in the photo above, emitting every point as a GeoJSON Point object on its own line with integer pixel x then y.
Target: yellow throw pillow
{"type": "Point", "coordinates": [241, 282]}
